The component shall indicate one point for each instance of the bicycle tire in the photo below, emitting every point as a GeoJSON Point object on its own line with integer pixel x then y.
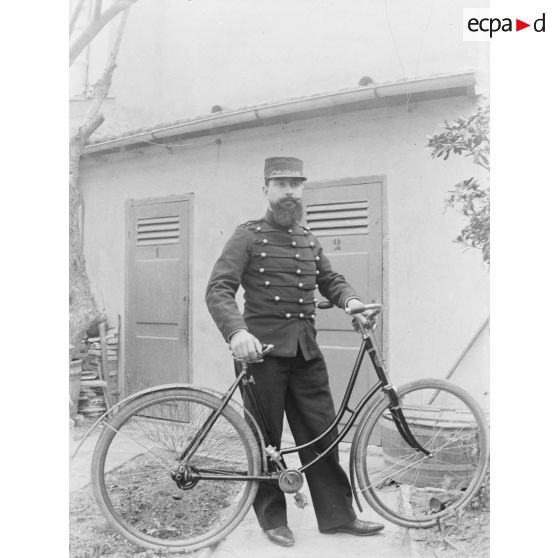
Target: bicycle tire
{"type": "Point", "coordinates": [131, 477]}
{"type": "Point", "coordinates": [402, 484]}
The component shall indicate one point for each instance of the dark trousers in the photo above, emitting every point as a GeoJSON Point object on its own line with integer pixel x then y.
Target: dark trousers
{"type": "Point", "coordinates": [300, 389]}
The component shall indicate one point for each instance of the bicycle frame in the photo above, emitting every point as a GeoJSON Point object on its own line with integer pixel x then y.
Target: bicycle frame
{"type": "Point", "coordinates": [245, 378]}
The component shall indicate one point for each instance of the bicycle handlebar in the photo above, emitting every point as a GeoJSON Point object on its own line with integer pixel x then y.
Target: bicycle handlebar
{"type": "Point", "coordinates": [376, 308]}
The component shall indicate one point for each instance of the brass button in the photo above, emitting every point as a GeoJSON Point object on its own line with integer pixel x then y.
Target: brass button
{"type": "Point", "coordinates": [287, 315]}
{"type": "Point", "coordinates": [267, 283]}
{"type": "Point", "coordinates": [299, 271]}
{"type": "Point", "coordinates": [313, 316]}
{"type": "Point", "coordinates": [301, 301]}
{"type": "Point", "coordinates": [262, 269]}
{"type": "Point", "coordinates": [301, 315]}
{"type": "Point", "coordinates": [317, 271]}
{"type": "Point", "coordinates": [300, 285]}
{"type": "Point", "coordinates": [316, 286]}
{"type": "Point", "coordinates": [293, 243]}
{"type": "Point", "coordinates": [290, 231]}
{"type": "Point", "coordinates": [258, 229]}
{"type": "Point", "coordinates": [315, 300]}
{"type": "Point", "coordinates": [264, 241]}
{"type": "Point", "coordinates": [297, 256]}
{"type": "Point", "coordinates": [263, 254]}
{"type": "Point", "coordinates": [312, 244]}
{"type": "Point", "coordinates": [277, 298]}
{"type": "Point", "coordinates": [317, 258]}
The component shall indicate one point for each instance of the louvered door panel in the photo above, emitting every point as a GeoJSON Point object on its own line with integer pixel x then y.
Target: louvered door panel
{"type": "Point", "coordinates": [158, 230]}
{"type": "Point", "coordinates": [346, 216]}
{"type": "Point", "coordinates": [338, 218]}
{"type": "Point", "coordinates": [157, 310]}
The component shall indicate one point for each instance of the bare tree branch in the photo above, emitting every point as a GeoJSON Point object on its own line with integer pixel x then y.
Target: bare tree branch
{"type": "Point", "coordinates": [95, 27]}
{"type": "Point", "coordinates": [75, 15]}
{"type": "Point", "coordinates": [102, 86]}
{"type": "Point", "coordinates": [93, 118]}
{"type": "Point", "coordinates": [87, 129]}
{"type": "Point", "coordinates": [83, 308]}
{"type": "Point", "coordinates": [98, 8]}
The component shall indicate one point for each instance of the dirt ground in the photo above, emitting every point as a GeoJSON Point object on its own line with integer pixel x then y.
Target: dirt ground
{"type": "Point", "coordinates": [90, 534]}
{"type": "Point", "coordinates": [465, 536]}
{"type": "Point", "coordinates": [92, 537]}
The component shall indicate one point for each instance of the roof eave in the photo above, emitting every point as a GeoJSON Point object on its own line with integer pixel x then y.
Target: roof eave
{"type": "Point", "coordinates": [250, 116]}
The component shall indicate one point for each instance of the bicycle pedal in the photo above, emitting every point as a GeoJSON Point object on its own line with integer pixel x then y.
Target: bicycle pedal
{"type": "Point", "coordinates": [301, 500]}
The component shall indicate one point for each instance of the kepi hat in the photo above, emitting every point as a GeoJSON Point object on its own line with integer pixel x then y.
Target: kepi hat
{"type": "Point", "coordinates": [283, 167]}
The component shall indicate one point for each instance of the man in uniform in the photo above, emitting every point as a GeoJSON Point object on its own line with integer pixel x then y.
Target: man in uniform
{"type": "Point", "coordinates": [279, 263]}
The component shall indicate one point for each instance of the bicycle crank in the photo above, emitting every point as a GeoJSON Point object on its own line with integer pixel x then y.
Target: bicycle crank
{"type": "Point", "coordinates": [290, 481]}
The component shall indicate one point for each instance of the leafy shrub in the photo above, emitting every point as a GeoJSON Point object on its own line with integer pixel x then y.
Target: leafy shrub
{"type": "Point", "coordinates": [470, 137]}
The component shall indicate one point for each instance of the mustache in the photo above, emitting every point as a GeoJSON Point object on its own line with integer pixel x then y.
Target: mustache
{"type": "Point", "coordinates": [289, 199]}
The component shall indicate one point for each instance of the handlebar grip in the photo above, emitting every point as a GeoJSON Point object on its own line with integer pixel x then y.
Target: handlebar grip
{"type": "Point", "coordinates": [266, 349]}
{"type": "Point", "coordinates": [376, 308]}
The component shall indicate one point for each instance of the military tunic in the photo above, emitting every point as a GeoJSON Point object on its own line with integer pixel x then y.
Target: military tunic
{"type": "Point", "coordinates": [280, 268]}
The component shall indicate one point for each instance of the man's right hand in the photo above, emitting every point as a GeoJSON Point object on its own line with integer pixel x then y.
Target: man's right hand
{"type": "Point", "coordinates": [244, 345]}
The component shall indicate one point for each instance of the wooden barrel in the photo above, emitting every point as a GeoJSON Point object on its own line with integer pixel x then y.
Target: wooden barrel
{"type": "Point", "coordinates": [455, 457]}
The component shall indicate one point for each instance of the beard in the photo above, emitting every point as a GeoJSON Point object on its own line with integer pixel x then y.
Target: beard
{"type": "Point", "coordinates": [287, 211]}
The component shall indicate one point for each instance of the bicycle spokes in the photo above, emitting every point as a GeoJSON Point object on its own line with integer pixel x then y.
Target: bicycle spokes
{"type": "Point", "coordinates": [156, 498]}
{"type": "Point", "coordinates": [413, 486]}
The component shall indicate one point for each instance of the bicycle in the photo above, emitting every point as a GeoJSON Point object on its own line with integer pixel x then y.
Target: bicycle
{"type": "Point", "coordinates": [177, 467]}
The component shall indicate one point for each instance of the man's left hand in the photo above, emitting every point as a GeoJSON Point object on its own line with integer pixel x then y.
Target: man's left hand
{"type": "Point", "coordinates": [356, 305]}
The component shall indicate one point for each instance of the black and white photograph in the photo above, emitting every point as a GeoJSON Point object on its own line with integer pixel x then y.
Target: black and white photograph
{"type": "Point", "coordinates": [279, 227]}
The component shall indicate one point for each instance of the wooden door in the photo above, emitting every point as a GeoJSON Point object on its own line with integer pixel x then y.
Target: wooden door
{"type": "Point", "coordinates": [157, 318]}
{"type": "Point", "coordinates": [346, 216]}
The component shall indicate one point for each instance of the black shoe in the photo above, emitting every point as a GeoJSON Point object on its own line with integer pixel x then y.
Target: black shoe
{"type": "Point", "coordinates": [357, 527]}
{"type": "Point", "coordinates": [282, 536]}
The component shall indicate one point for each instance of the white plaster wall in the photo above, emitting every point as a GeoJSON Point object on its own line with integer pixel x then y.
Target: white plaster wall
{"type": "Point", "coordinates": [180, 58]}
{"type": "Point", "coordinates": [438, 293]}
{"type": "Point", "coordinates": [470, 373]}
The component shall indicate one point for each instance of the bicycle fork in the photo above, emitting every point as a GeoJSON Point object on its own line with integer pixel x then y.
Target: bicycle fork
{"type": "Point", "coordinates": [394, 408]}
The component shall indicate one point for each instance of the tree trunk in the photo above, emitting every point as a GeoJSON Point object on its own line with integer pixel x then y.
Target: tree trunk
{"type": "Point", "coordinates": [83, 309]}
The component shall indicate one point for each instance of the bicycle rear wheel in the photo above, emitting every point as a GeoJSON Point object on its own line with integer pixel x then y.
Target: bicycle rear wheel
{"type": "Point", "coordinates": [403, 484]}
{"type": "Point", "coordinates": [139, 448]}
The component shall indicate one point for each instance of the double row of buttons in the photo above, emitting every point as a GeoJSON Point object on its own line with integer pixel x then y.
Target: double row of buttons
{"type": "Point", "coordinates": [300, 300]}
{"type": "Point", "coordinates": [298, 271]}
{"type": "Point", "coordinates": [300, 316]}
{"type": "Point", "coordinates": [294, 244]}
{"type": "Point", "coordinates": [301, 285]}
{"type": "Point", "coordinates": [297, 256]}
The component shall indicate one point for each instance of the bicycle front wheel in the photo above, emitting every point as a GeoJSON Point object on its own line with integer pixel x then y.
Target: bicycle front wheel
{"type": "Point", "coordinates": [140, 448]}
{"type": "Point", "coordinates": [406, 486]}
